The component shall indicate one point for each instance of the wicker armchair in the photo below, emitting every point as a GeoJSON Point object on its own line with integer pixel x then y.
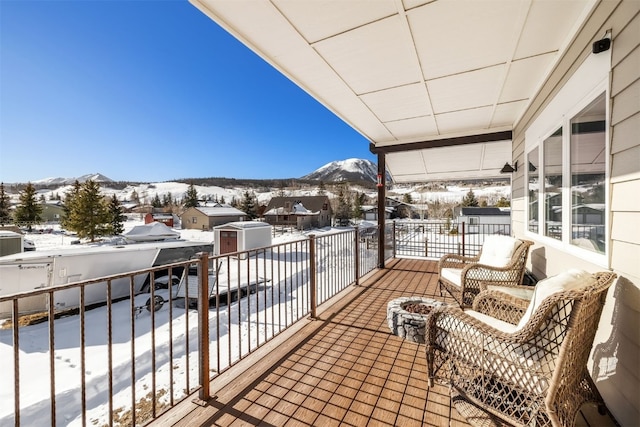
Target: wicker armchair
{"type": "Point", "coordinates": [526, 371]}
{"type": "Point", "coordinates": [501, 261]}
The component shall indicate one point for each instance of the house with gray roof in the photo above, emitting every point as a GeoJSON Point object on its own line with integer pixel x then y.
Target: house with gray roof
{"type": "Point", "coordinates": [301, 212]}
{"type": "Point", "coordinates": [207, 217]}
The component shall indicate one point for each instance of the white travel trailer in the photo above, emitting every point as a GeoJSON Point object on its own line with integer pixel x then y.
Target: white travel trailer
{"type": "Point", "coordinates": [46, 269]}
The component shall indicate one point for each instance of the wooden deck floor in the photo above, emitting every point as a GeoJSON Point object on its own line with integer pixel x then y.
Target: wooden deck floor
{"type": "Point", "coordinates": [345, 368]}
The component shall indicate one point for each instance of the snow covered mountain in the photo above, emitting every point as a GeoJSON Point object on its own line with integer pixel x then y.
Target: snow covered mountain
{"type": "Point", "coordinates": [97, 177]}
{"type": "Point", "coordinates": [352, 170]}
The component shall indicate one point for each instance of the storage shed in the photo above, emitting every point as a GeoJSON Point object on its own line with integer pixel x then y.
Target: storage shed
{"type": "Point", "coordinates": [241, 236]}
{"type": "Point", "coordinates": [10, 243]}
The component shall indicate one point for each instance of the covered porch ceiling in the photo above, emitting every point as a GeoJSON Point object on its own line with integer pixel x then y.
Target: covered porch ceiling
{"type": "Point", "coordinates": [437, 86]}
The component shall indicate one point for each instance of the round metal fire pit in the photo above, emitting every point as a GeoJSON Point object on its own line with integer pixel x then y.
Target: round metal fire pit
{"type": "Point", "coordinates": [406, 316]}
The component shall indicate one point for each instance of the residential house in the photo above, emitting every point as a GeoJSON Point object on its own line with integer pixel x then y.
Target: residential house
{"type": "Point", "coordinates": [301, 212]}
{"type": "Point", "coordinates": [448, 90]}
{"type": "Point", "coordinates": [167, 219]}
{"type": "Point", "coordinates": [476, 219]}
{"type": "Point", "coordinates": [205, 218]}
{"type": "Point", "coordinates": [52, 212]}
{"type": "Point", "coordinates": [370, 213]}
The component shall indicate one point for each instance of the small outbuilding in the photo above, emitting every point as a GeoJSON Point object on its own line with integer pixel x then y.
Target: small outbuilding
{"type": "Point", "coordinates": [10, 243]}
{"type": "Point", "coordinates": [241, 236]}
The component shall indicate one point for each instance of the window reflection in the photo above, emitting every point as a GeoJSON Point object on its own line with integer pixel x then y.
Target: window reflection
{"type": "Point", "coordinates": [533, 187]}
{"type": "Point", "coordinates": [588, 156]}
{"type": "Point", "coordinates": [552, 149]}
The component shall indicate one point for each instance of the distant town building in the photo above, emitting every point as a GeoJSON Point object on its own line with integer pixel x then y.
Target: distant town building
{"type": "Point", "coordinates": [475, 218]}
{"type": "Point", "coordinates": [301, 212]}
{"type": "Point", "coordinates": [52, 212]}
{"type": "Point", "coordinates": [167, 219]}
{"type": "Point", "coordinates": [205, 218]}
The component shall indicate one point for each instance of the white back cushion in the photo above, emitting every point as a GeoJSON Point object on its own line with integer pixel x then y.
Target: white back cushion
{"type": "Point", "coordinates": [497, 250]}
{"type": "Point", "coordinates": [565, 281]}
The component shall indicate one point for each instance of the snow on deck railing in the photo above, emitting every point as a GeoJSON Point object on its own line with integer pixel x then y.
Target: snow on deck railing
{"type": "Point", "coordinates": [172, 330]}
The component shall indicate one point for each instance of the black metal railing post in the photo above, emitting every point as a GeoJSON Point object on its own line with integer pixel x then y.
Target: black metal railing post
{"type": "Point", "coordinates": [313, 297]}
{"type": "Point", "coordinates": [393, 238]}
{"type": "Point", "coordinates": [357, 256]}
{"type": "Point", "coordinates": [203, 325]}
{"type": "Point", "coordinates": [463, 227]}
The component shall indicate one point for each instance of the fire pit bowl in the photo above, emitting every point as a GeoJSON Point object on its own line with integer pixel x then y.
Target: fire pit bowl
{"type": "Point", "coordinates": [406, 316]}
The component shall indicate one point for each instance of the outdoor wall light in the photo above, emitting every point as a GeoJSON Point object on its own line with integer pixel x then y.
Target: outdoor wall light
{"type": "Point", "coordinates": [507, 168]}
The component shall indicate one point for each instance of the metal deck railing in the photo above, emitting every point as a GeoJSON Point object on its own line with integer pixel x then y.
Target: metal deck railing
{"type": "Point", "coordinates": [128, 360]}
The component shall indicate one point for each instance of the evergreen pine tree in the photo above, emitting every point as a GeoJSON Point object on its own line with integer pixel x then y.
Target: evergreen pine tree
{"type": "Point", "coordinates": [167, 200]}
{"type": "Point", "coordinates": [503, 203]}
{"type": "Point", "coordinates": [470, 200]}
{"type": "Point", "coordinates": [156, 202]}
{"type": "Point", "coordinates": [222, 200]}
{"type": "Point", "coordinates": [407, 198]}
{"type": "Point", "coordinates": [248, 205]}
{"type": "Point", "coordinates": [116, 216]}
{"type": "Point", "coordinates": [190, 197]}
{"type": "Point", "coordinates": [92, 208]}
{"type": "Point", "coordinates": [29, 211]}
{"type": "Point", "coordinates": [358, 201]}
{"type": "Point", "coordinates": [5, 203]}
{"type": "Point", "coordinates": [343, 210]}
{"type": "Point", "coordinates": [69, 219]}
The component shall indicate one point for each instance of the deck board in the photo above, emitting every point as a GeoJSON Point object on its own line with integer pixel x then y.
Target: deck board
{"type": "Point", "coordinates": [344, 368]}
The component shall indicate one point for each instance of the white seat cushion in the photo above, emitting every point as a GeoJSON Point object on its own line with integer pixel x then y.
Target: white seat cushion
{"type": "Point", "coordinates": [453, 275]}
{"type": "Point", "coordinates": [497, 250]}
{"type": "Point", "coordinates": [516, 292]}
{"type": "Point", "coordinates": [565, 281]}
{"type": "Point", "coordinates": [492, 321]}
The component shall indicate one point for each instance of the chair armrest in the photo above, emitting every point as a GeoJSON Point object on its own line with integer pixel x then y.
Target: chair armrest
{"type": "Point", "coordinates": [456, 261]}
{"type": "Point", "coordinates": [500, 305]}
{"type": "Point", "coordinates": [518, 291]}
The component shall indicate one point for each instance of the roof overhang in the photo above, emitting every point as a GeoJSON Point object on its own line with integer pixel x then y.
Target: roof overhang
{"type": "Point", "coordinates": [402, 72]}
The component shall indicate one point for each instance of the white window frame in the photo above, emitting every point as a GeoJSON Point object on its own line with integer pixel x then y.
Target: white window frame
{"type": "Point", "coordinates": [590, 81]}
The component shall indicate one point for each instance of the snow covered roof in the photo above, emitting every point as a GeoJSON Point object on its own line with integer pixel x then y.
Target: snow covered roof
{"type": "Point", "coordinates": [243, 225]}
{"type": "Point", "coordinates": [150, 232]}
{"type": "Point", "coordinates": [296, 209]}
{"type": "Point", "coordinates": [221, 210]}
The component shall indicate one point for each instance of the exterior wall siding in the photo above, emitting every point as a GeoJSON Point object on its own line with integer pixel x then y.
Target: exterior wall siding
{"type": "Point", "coordinates": [615, 364]}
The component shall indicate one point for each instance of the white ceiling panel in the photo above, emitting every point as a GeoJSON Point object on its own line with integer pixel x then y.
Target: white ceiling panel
{"type": "Point", "coordinates": [465, 120]}
{"type": "Point", "coordinates": [479, 88]}
{"type": "Point", "coordinates": [547, 25]}
{"type": "Point", "coordinates": [320, 19]}
{"type": "Point", "coordinates": [371, 58]}
{"type": "Point", "coordinates": [518, 84]}
{"type": "Point", "coordinates": [454, 36]}
{"type": "Point", "coordinates": [399, 102]}
{"type": "Point", "coordinates": [410, 129]}
{"type": "Point", "coordinates": [413, 71]}
{"type": "Point", "coordinates": [505, 114]}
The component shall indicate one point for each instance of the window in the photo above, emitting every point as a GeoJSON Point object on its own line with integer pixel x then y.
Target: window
{"type": "Point", "coordinates": [552, 185]}
{"type": "Point", "coordinates": [567, 158]}
{"type": "Point", "coordinates": [588, 160]}
{"type": "Point", "coordinates": [572, 157]}
{"type": "Point", "coordinates": [474, 220]}
{"type": "Point", "coordinates": [194, 220]}
{"type": "Point", "coordinates": [532, 189]}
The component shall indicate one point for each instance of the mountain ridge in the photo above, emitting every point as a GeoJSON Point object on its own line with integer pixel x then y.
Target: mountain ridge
{"type": "Point", "coordinates": [349, 170]}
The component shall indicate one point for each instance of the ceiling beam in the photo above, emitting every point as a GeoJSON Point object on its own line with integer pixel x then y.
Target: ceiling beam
{"type": "Point", "coordinates": [447, 142]}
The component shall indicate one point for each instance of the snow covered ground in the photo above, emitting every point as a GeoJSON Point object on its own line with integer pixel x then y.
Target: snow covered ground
{"type": "Point", "coordinates": [180, 329]}
{"type": "Point", "coordinates": [230, 325]}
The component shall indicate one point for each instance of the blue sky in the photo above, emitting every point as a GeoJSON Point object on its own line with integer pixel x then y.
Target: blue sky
{"type": "Point", "coordinates": [150, 90]}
